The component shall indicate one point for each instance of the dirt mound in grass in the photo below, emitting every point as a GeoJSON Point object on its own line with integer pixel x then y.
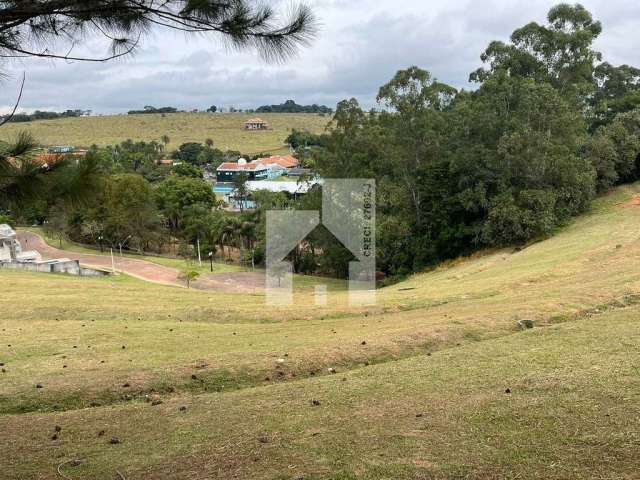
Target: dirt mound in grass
{"type": "Point", "coordinates": [634, 202]}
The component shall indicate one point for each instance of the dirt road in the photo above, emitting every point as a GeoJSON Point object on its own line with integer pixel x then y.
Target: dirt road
{"type": "Point", "coordinates": [234, 282]}
{"type": "Point", "coordinates": [136, 268]}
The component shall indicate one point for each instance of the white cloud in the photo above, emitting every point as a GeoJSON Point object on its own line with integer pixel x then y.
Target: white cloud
{"type": "Point", "coordinates": [360, 45]}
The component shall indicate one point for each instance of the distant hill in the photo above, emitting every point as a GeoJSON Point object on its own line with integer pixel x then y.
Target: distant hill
{"type": "Point", "coordinates": [291, 106]}
{"type": "Point", "coordinates": [226, 130]}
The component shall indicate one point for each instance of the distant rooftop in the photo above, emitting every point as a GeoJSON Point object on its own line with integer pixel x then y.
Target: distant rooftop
{"type": "Point", "coordinates": [285, 161]}
{"type": "Point", "coordinates": [241, 166]}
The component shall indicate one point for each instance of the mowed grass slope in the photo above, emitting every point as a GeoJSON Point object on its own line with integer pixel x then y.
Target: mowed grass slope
{"type": "Point", "coordinates": [420, 385]}
{"type": "Point", "coordinates": [225, 129]}
{"type": "Point", "coordinates": [572, 411]}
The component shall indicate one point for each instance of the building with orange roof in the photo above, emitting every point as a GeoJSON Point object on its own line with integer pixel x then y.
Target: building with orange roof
{"type": "Point", "coordinates": [49, 159]}
{"type": "Point", "coordinates": [285, 161]}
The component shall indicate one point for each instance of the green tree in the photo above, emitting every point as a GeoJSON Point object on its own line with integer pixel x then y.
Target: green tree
{"type": "Point", "coordinates": [174, 194]}
{"type": "Point", "coordinates": [614, 150]}
{"type": "Point", "coordinates": [189, 276]}
{"type": "Point", "coordinates": [601, 152]}
{"type": "Point", "coordinates": [417, 102]}
{"type": "Point", "coordinates": [131, 217]}
{"type": "Point", "coordinates": [189, 152]}
{"type": "Point", "coordinates": [240, 190]}
{"type": "Point", "coordinates": [456, 171]}
{"type": "Point", "coordinates": [187, 170]}
{"type": "Point", "coordinates": [92, 230]}
{"type": "Point", "coordinates": [25, 181]}
{"type": "Point", "coordinates": [210, 156]}
{"type": "Point", "coordinates": [560, 52]}
{"type": "Point", "coordinates": [130, 156]}
{"type": "Point", "coordinates": [4, 218]}
{"type": "Point", "coordinates": [201, 223]}
{"type": "Point", "coordinates": [57, 224]}
{"type": "Point", "coordinates": [518, 159]}
{"type": "Point", "coordinates": [229, 233]}
{"type": "Point", "coordinates": [618, 91]}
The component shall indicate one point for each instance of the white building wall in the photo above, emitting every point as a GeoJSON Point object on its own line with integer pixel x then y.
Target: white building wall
{"type": "Point", "coordinates": [5, 252]}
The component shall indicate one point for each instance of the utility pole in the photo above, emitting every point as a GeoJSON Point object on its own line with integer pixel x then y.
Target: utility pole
{"type": "Point", "coordinates": [113, 263]}
{"type": "Point", "coordinates": [211, 261]}
{"type": "Point", "coordinates": [199, 256]}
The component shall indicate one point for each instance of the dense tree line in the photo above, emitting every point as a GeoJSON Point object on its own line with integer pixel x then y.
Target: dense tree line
{"type": "Point", "coordinates": [302, 138]}
{"type": "Point", "coordinates": [291, 106]}
{"type": "Point", "coordinates": [150, 110]}
{"type": "Point", "coordinates": [44, 115]}
{"type": "Point", "coordinates": [549, 126]}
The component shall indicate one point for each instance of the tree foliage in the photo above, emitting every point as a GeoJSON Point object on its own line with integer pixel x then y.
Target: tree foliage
{"type": "Point", "coordinates": [52, 28]}
{"type": "Point", "coordinates": [176, 193]}
{"type": "Point", "coordinates": [560, 53]}
{"type": "Point", "coordinates": [25, 180]}
{"type": "Point", "coordinates": [290, 106]}
{"type": "Point", "coordinates": [548, 127]}
{"type": "Point", "coordinates": [507, 163]}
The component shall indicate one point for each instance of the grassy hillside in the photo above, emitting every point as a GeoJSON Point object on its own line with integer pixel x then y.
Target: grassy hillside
{"type": "Point", "coordinates": [571, 412]}
{"type": "Point", "coordinates": [225, 129]}
{"type": "Point", "coordinates": [436, 381]}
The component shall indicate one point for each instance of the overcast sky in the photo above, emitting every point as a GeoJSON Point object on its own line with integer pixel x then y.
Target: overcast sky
{"type": "Point", "coordinates": [360, 45]}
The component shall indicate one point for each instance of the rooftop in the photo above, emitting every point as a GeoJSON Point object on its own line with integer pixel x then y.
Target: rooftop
{"type": "Point", "coordinates": [285, 161]}
{"type": "Point", "coordinates": [241, 166]}
{"type": "Point", "coordinates": [255, 120]}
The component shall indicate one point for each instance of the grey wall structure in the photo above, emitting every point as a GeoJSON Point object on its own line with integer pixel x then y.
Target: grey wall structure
{"type": "Point", "coordinates": [13, 258]}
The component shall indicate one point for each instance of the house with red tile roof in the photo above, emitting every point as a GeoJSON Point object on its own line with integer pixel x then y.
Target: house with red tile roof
{"type": "Point", "coordinates": [50, 159]}
{"type": "Point", "coordinates": [228, 171]}
{"type": "Point", "coordinates": [285, 161]}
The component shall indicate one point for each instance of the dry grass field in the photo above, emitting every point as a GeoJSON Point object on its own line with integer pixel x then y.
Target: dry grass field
{"type": "Point", "coordinates": [225, 129]}
{"type": "Point", "coordinates": [435, 381]}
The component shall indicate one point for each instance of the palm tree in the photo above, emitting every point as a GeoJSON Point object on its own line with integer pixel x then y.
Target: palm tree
{"type": "Point", "coordinates": [189, 276]}
{"type": "Point", "coordinates": [165, 140]}
{"type": "Point", "coordinates": [248, 232]}
{"type": "Point", "coordinates": [240, 189]}
{"type": "Point", "coordinates": [229, 235]}
{"type": "Point", "coordinates": [156, 147]}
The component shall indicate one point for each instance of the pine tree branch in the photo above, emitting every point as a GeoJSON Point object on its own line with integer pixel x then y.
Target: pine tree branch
{"type": "Point", "coordinates": [15, 107]}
